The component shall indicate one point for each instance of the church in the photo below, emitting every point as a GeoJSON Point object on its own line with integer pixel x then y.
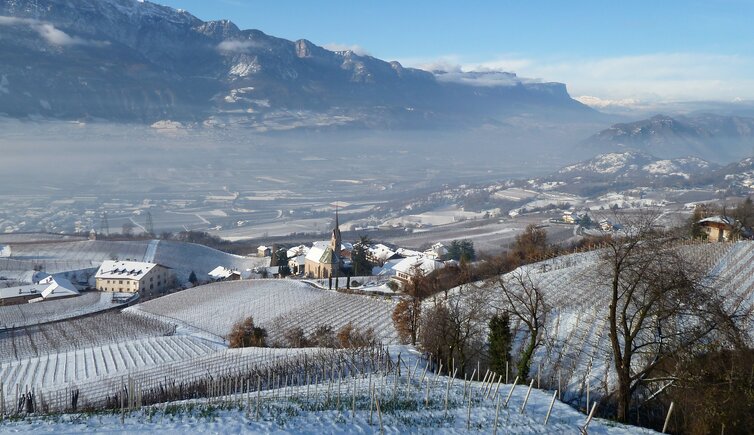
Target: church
{"type": "Point", "coordinates": [324, 260]}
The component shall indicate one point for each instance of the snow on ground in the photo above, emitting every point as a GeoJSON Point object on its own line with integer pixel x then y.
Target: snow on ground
{"type": "Point", "coordinates": [58, 309]}
{"type": "Point", "coordinates": [274, 304]}
{"type": "Point", "coordinates": [109, 361]}
{"type": "Point", "coordinates": [416, 405]}
{"type": "Point", "coordinates": [576, 351]}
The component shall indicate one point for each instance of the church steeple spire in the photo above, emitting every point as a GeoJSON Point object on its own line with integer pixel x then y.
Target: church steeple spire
{"type": "Point", "coordinates": [335, 240]}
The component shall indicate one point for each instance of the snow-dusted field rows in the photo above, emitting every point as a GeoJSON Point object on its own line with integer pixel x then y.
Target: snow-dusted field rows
{"type": "Point", "coordinates": [184, 360]}
{"type": "Point", "coordinates": [100, 329]}
{"type": "Point", "coordinates": [14, 316]}
{"type": "Point", "coordinates": [109, 361]}
{"type": "Point", "coordinates": [274, 304]}
{"type": "Point", "coordinates": [432, 405]}
{"type": "Point", "coordinates": [577, 348]}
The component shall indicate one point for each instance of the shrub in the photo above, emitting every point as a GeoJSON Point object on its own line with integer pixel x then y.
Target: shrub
{"type": "Point", "coordinates": [245, 334]}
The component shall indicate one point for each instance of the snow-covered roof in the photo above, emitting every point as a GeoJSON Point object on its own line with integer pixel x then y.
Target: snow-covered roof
{"type": "Point", "coordinates": [5, 251]}
{"type": "Point", "coordinates": [59, 288]}
{"type": "Point", "coordinates": [323, 244]}
{"type": "Point", "coordinates": [50, 288]}
{"type": "Point", "coordinates": [221, 272]}
{"type": "Point", "coordinates": [24, 290]}
{"type": "Point", "coordinates": [725, 220]}
{"type": "Point", "coordinates": [408, 252]}
{"type": "Point", "coordinates": [319, 254]}
{"type": "Point", "coordinates": [124, 269]}
{"type": "Point", "coordinates": [297, 251]}
{"type": "Point", "coordinates": [380, 252]}
{"type": "Point", "coordinates": [410, 264]}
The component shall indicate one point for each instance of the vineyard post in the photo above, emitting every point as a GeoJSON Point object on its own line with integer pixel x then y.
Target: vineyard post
{"type": "Point", "coordinates": [526, 399]}
{"type": "Point", "coordinates": [468, 411]}
{"type": "Point", "coordinates": [497, 388]}
{"type": "Point", "coordinates": [2, 401]}
{"type": "Point", "coordinates": [379, 413]}
{"type": "Point", "coordinates": [478, 371]}
{"type": "Point", "coordinates": [559, 387]}
{"type": "Point", "coordinates": [667, 418]}
{"type": "Point", "coordinates": [248, 397]}
{"type": "Point", "coordinates": [424, 373]}
{"type": "Point", "coordinates": [426, 397]}
{"type": "Point", "coordinates": [549, 409]}
{"type": "Point", "coordinates": [506, 372]}
{"type": "Point", "coordinates": [497, 413]}
{"type": "Point", "coordinates": [307, 388]}
{"type": "Point", "coordinates": [587, 393]}
{"type": "Point", "coordinates": [539, 372]}
{"type": "Point", "coordinates": [589, 418]}
{"type": "Point", "coordinates": [16, 402]}
{"type": "Point", "coordinates": [371, 403]}
{"type": "Point", "coordinates": [510, 393]}
{"type": "Point", "coordinates": [259, 392]}
{"type": "Point", "coordinates": [353, 399]}
{"type": "Point", "coordinates": [447, 393]}
{"type": "Point", "coordinates": [337, 403]}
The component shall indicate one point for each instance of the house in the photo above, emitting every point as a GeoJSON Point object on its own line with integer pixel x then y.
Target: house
{"type": "Point", "coordinates": [379, 254]}
{"type": "Point", "coordinates": [297, 259]}
{"type": "Point", "coordinates": [221, 273]}
{"type": "Point", "coordinates": [264, 251]}
{"type": "Point", "coordinates": [325, 261]}
{"type": "Point", "coordinates": [571, 217]}
{"type": "Point", "coordinates": [606, 225]}
{"type": "Point", "coordinates": [438, 251]}
{"type": "Point", "coordinates": [407, 268]}
{"type": "Point", "coordinates": [49, 288]}
{"type": "Point", "coordinates": [133, 277]}
{"type": "Point", "coordinates": [720, 228]}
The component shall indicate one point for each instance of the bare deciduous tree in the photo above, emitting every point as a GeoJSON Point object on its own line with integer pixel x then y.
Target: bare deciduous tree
{"type": "Point", "coordinates": [660, 305]}
{"type": "Point", "coordinates": [522, 298]}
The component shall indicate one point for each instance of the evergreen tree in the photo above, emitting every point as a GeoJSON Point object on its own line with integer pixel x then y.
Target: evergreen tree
{"type": "Point", "coordinates": [500, 342]}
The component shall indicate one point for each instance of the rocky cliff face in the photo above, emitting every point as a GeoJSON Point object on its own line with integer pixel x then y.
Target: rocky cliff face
{"type": "Point", "coordinates": [135, 61]}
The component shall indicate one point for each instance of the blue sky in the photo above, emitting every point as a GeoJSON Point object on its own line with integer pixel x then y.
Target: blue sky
{"type": "Point", "coordinates": [633, 51]}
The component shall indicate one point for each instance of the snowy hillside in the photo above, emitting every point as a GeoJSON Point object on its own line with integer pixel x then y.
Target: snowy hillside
{"type": "Point", "coordinates": [274, 304]}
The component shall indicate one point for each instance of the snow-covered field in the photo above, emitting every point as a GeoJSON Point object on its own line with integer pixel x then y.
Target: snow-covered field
{"type": "Point", "coordinates": [274, 304]}
{"type": "Point", "coordinates": [50, 338]}
{"type": "Point", "coordinates": [409, 403]}
{"type": "Point", "coordinates": [576, 350]}
{"type": "Point", "coordinates": [15, 316]}
{"type": "Point", "coordinates": [109, 361]}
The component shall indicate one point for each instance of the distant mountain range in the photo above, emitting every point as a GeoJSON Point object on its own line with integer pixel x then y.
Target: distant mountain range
{"type": "Point", "coordinates": [629, 169]}
{"type": "Point", "coordinates": [135, 61]}
{"type": "Point", "coordinates": [713, 137]}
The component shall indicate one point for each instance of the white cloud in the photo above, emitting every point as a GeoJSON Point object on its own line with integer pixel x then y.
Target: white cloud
{"type": "Point", "coordinates": [49, 32]}
{"type": "Point", "coordinates": [237, 45]}
{"type": "Point", "coordinates": [655, 77]}
{"type": "Point", "coordinates": [357, 49]}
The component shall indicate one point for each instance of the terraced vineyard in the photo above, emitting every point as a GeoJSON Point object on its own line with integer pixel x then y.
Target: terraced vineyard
{"type": "Point", "coordinates": [97, 363]}
{"type": "Point", "coordinates": [15, 316]}
{"type": "Point", "coordinates": [274, 304]}
{"type": "Point", "coordinates": [576, 350]}
{"type": "Point", "coordinates": [51, 338]}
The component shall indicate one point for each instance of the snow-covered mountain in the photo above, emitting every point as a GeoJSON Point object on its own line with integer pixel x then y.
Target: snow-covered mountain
{"type": "Point", "coordinates": [634, 165]}
{"type": "Point", "coordinates": [712, 137]}
{"type": "Point", "coordinates": [132, 60]}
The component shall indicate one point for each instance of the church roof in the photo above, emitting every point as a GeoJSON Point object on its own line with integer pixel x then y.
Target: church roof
{"type": "Point", "coordinates": [320, 255]}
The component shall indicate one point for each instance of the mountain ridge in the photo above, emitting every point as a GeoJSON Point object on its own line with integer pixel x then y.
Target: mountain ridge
{"type": "Point", "coordinates": [129, 60]}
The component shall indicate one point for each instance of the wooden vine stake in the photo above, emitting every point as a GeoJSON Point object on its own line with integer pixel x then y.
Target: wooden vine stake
{"type": "Point", "coordinates": [667, 418]}
{"type": "Point", "coordinates": [526, 399]}
{"type": "Point", "coordinates": [549, 409]}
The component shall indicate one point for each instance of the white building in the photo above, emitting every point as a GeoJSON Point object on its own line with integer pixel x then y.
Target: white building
{"type": "Point", "coordinates": [46, 289]}
{"type": "Point", "coordinates": [407, 268]}
{"type": "Point", "coordinates": [133, 277]}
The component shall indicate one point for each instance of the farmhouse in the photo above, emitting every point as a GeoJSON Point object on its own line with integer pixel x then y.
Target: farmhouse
{"type": "Point", "coordinates": [264, 251]}
{"type": "Point", "coordinates": [720, 228]}
{"type": "Point", "coordinates": [133, 277]}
